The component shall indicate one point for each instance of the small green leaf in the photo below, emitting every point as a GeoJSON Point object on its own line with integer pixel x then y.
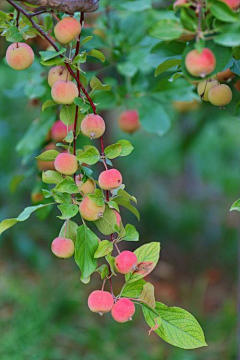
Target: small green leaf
{"type": "Point", "coordinates": [124, 199]}
{"type": "Point", "coordinates": [47, 104]}
{"type": "Point", "coordinates": [97, 197]}
{"type": "Point", "coordinates": [86, 39]}
{"type": "Point", "coordinates": [147, 295]}
{"type": "Point", "coordinates": [113, 205]}
{"type": "Point", "coordinates": [166, 65]}
{"type": "Point", "coordinates": [103, 271]}
{"type": "Point", "coordinates": [96, 84]}
{"type": "Point", "coordinates": [133, 290]}
{"type": "Point", "coordinates": [106, 223]}
{"type": "Point", "coordinates": [167, 29]}
{"type": "Point", "coordinates": [85, 247]}
{"type": "Point", "coordinates": [69, 230]}
{"type": "Point", "coordinates": [67, 186]}
{"type": "Point", "coordinates": [49, 155]}
{"type": "Point", "coordinates": [104, 248]}
{"type": "Point", "coordinates": [48, 55]}
{"type": "Point", "coordinates": [111, 260]}
{"type": "Point", "coordinates": [236, 205]}
{"type": "Point", "coordinates": [51, 177]}
{"type": "Point", "coordinates": [69, 137]}
{"type": "Point", "coordinates": [68, 211]}
{"type": "Point", "coordinates": [96, 54]}
{"type": "Point", "coordinates": [113, 151]}
{"type": "Point", "coordinates": [80, 58]}
{"type": "Point", "coordinates": [222, 11]}
{"type": "Point", "coordinates": [131, 233]}
{"type": "Point", "coordinates": [90, 155]}
{"type": "Point", "coordinates": [67, 114]}
{"type": "Point", "coordinates": [127, 147]}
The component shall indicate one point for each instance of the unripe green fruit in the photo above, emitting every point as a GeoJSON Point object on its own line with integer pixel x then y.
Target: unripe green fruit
{"type": "Point", "coordinates": [67, 30]}
{"type": "Point", "coordinates": [204, 87]}
{"type": "Point", "coordinates": [100, 301]}
{"type": "Point", "coordinates": [123, 310]}
{"type": "Point", "coordinates": [58, 73]}
{"type": "Point", "coordinates": [63, 247]}
{"type": "Point", "coordinates": [19, 56]}
{"type": "Point", "coordinates": [86, 187]}
{"type": "Point", "coordinates": [90, 211]}
{"type": "Point", "coordinates": [93, 126]}
{"type": "Point", "coordinates": [66, 164]}
{"type": "Point", "coordinates": [64, 92]}
{"type": "Point", "coordinates": [200, 64]}
{"type": "Point", "coordinates": [110, 179]}
{"type": "Point", "coordinates": [126, 262]}
{"type": "Point", "coordinates": [220, 95]}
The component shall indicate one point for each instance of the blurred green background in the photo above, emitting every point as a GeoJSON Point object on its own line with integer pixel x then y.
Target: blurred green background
{"type": "Point", "coordinates": [185, 183]}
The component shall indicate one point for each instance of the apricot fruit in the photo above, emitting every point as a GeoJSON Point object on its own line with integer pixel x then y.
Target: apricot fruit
{"type": "Point", "coordinates": [90, 211]}
{"type": "Point", "coordinates": [58, 73]}
{"type": "Point", "coordinates": [118, 217]}
{"type": "Point", "coordinates": [233, 4]}
{"type": "Point", "coordinates": [19, 56]}
{"type": "Point", "coordinates": [66, 164]}
{"type": "Point", "coordinates": [225, 76]}
{"type": "Point", "coordinates": [123, 310]}
{"type": "Point", "coordinates": [220, 95]}
{"type": "Point", "coordinates": [62, 247]}
{"type": "Point", "coordinates": [67, 30]}
{"type": "Point", "coordinates": [200, 64]}
{"type": "Point", "coordinates": [110, 179]}
{"type": "Point", "coordinates": [86, 187]}
{"type": "Point", "coordinates": [126, 262]}
{"type": "Point", "coordinates": [93, 126]}
{"type": "Point", "coordinates": [59, 130]}
{"type": "Point", "coordinates": [204, 87]}
{"type": "Point", "coordinates": [64, 92]}
{"type": "Point", "coordinates": [128, 121]}
{"type": "Point", "coordinates": [100, 301]}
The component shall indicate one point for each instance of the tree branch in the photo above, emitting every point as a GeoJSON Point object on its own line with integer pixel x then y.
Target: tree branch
{"type": "Point", "coordinates": [67, 6]}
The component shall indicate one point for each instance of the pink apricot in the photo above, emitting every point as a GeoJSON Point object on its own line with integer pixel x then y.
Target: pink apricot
{"type": "Point", "coordinates": [59, 130]}
{"type": "Point", "coordinates": [19, 56]}
{"type": "Point", "coordinates": [63, 247]}
{"type": "Point", "coordinates": [126, 262]}
{"type": "Point", "coordinates": [93, 126]}
{"type": "Point", "coordinates": [86, 187]}
{"type": "Point", "coordinates": [58, 73]}
{"type": "Point", "coordinates": [225, 76]}
{"type": "Point", "coordinates": [64, 92]}
{"type": "Point", "coordinates": [123, 310]}
{"type": "Point", "coordinates": [179, 3]}
{"type": "Point", "coordinates": [220, 95]}
{"type": "Point", "coordinates": [128, 121]}
{"type": "Point", "coordinates": [67, 30]}
{"type": "Point", "coordinates": [200, 64]}
{"type": "Point", "coordinates": [100, 301]}
{"type": "Point", "coordinates": [66, 164]}
{"type": "Point", "coordinates": [110, 179]}
{"type": "Point", "coordinates": [90, 211]}
{"type": "Point", "coordinates": [233, 4]}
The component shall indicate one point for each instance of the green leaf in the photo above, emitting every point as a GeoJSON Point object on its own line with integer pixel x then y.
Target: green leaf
{"type": "Point", "coordinates": [69, 137]}
{"type": "Point", "coordinates": [103, 271]}
{"type": "Point", "coordinates": [111, 260]}
{"type": "Point", "coordinates": [85, 247]}
{"type": "Point", "coordinates": [97, 197]}
{"type": "Point", "coordinates": [177, 326]}
{"type": "Point", "coordinates": [49, 155]}
{"type": "Point", "coordinates": [113, 205]}
{"type": "Point", "coordinates": [47, 104]}
{"type": "Point", "coordinates": [104, 248]}
{"type": "Point", "coordinates": [222, 11]}
{"type": "Point", "coordinates": [127, 69]}
{"type": "Point", "coordinates": [69, 230]}
{"type": "Point", "coordinates": [68, 211]}
{"type": "Point", "coordinates": [167, 29]}
{"type": "Point", "coordinates": [124, 199]}
{"type": "Point", "coordinates": [147, 295]}
{"type": "Point", "coordinates": [96, 54]}
{"type": "Point", "coordinates": [67, 186]}
{"type": "Point", "coordinates": [127, 147]}
{"type": "Point", "coordinates": [131, 233]}
{"type": "Point", "coordinates": [133, 290]}
{"type": "Point", "coordinates": [236, 205]}
{"type": "Point", "coordinates": [86, 39]}
{"type": "Point", "coordinates": [51, 177]}
{"type": "Point", "coordinates": [80, 58]}
{"type": "Point", "coordinates": [229, 35]}
{"type": "Point", "coordinates": [48, 55]}
{"type": "Point", "coordinates": [137, 5]}
{"type": "Point", "coordinates": [148, 253]}
{"type": "Point", "coordinates": [62, 198]}
{"type": "Point", "coordinates": [67, 114]}
{"type": "Point", "coordinates": [166, 65]}
{"type": "Point", "coordinates": [113, 151]}
{"type": "Point", "coordinates": [12, 34]}
{"type": "Point", "coordinates": [90, 155]}
{"type": "Point", "coordinates": [107, 222]}
{"type": "Point", "coordinates": [8, 223]}
{"type": "Point", "coordinates": [96, 84]}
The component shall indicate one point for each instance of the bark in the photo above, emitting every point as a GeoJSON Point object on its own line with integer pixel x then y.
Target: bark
{"type": "Point", "coordinates": [67, 6]}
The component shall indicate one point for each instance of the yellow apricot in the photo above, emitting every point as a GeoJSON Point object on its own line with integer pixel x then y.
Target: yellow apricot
{"type": "Point", "coordinates": [220, 95]}
{"type": "Point", "coordinates": [86, 187]}
{"type": "Point", "coordinates": [64, 92]}
{"type": "Point", "coordinates": [58, 73]}
{"type": "Point", "coordinates": [204, 87]}
{"type": "Point", "coordinates": [90, 211]}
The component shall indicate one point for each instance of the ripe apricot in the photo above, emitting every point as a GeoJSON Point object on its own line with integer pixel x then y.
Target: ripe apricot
{"type": "Point", "coordinates": [58, 73]}
{"type": "Point", "coordinates": [204, 87]}
{"type": "Point", "coordinates": [59, 130]}
{"type": "Point", "coordinates": [123, 310]}
{"type": "Point", "coordinates": [64, 92]}
{"type": "Point", "coordinates": [86, 187]}
{"type": "Point", "coordinates": [126, 262]}
{"type": "Point", "coordinates": [19, 56]}
{"type": "Point", "coordinates": [89, 210]}
{"type": "Point", "coordinates": [200, 64]}
{"type": "Point", "coordinates": [67, 30]}
{"type": "Point", "coordinates": [63, 247]}
{"type": "Point", "coordinates": [220, 95]}
{"type": "Point", "coordinates": [110, 179]}
{"type": "Point", "coordinates": [93, 126]}
{"type": "Point", "coordinates": [128, 121]}
{"type": "Point", "coordinates": [100, 301]}
{"type": "Point", "coordinates": [66, 164]}
{"type": "Point", "coordinates": [225, 76]}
